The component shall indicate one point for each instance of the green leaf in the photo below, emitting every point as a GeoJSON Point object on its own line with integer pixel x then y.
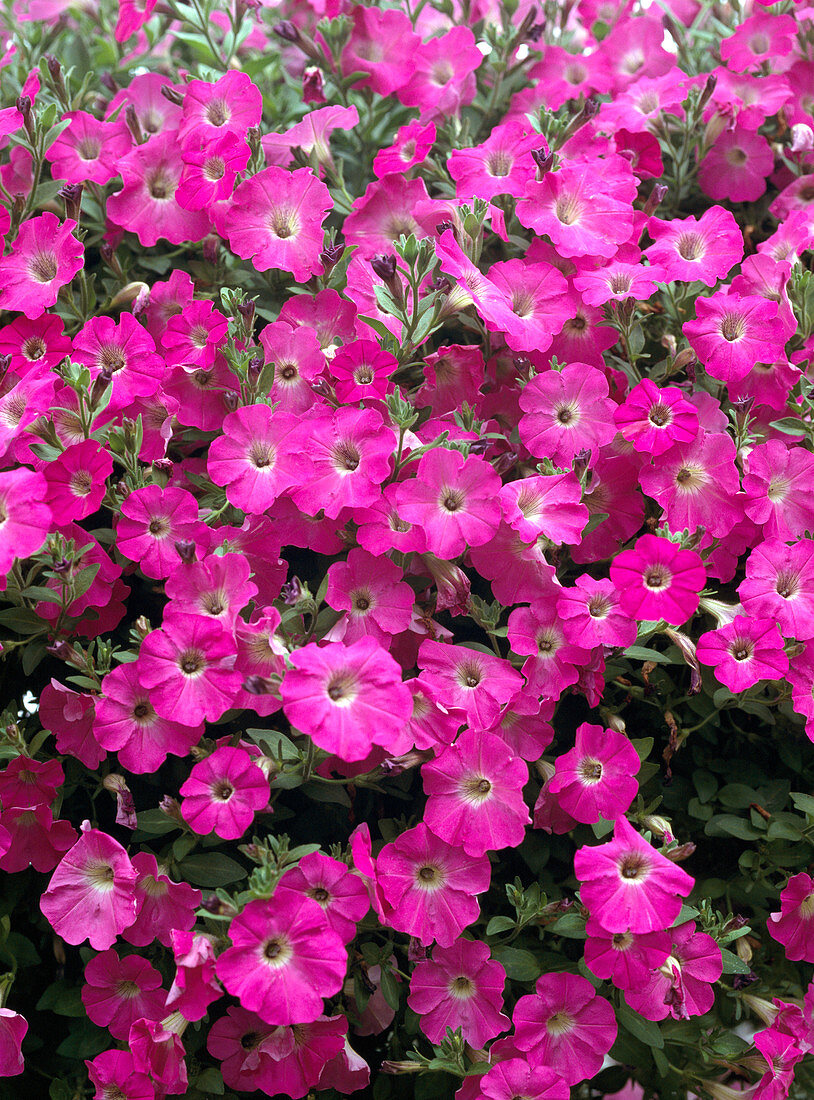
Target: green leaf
{"type": "Point", "coordinates": [499, 924]}
{"type": "Point", "coordinates": [40, 592]}
{"type": "Point", "coordinates": [643, 746]}
{"type": "Point", "coordinates": [211, 1080]}
{"type": "Point", "coordinates": [737, 796]}
{"type": "Point", "coordinates": [732, 964]}
{"type": "Point", "coordinates": [520, 966]}
{"type": "Point", "coordinates": [571, 926]}
{"type": "Point", "coordinates": [705, 784]}
{"type": "Point", "coordinates": [21, 620]}
{"type": "Point", "coordinates": [63, 999]}
{"type": "Point", "coordinates": [318, 792]}
{"type": "Point", "coordinates": [390, 988]}
{"type": "Point", "coordinates": [645, 1031]}
{"type": "Point", "coordinates": [85, 1041]}
{"type": "Point", "coordinates": [804, 802]}
{"type": "Point", "coordinates": [211, 869]}
{"type": "Point", "coordinates": [155, 823]}
{"type": "Point", "coordinates": [730, 825]}
{"type": "Point", "coordinates": [84, 579]}
{"type": "Point", "coordinates": [642, 653]}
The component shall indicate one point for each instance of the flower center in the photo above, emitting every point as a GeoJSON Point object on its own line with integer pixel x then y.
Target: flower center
{"type": "Point", "coordinates": [656, 577]}
{"type": "Point", "coordinates": [620, 283]}
{"type": "Point", "coordinates": [214, 169]}
{"type": "Point", "coordinates": [100, 875]}
{"type": "Point", "coordinates": [277, 952]}
{"type": "Point", "coordinates": [81, 483]}
{"type": "Point", "coordinates": [192, 662]}
{"type": "Point", "coordinates": [788, 585]}
{"type": "Point", "coordinates": [261, 455]}
{"type": "Point", "coordinates": [633, 867]}
{"type": "Point", "coordinates": [42, 267]}
{"type": "Point", "coordinates": [659, 416]}
{"type": "Point", "coordinates": [590, 770]}
{"type": "Point", "coordinates": [346, 456]}
{"type": "Point", "coordinates": [690, 246]}
{"type": "Point", "coordinates": [222, 791]}
{"type": "Point", "coordinates": [567, 209]}
{"type": "Point", "coordinates": [319, 894]}
{"type": "Point", "coordinates": [33, 348]}
{"type": "Point", "coordinates": [341, 689]}
{"type": "Point", "coordinates": [737, 157]}
{"type": "Point", "coordinates": [806, 907]}
{"type": "Point", "coordinates": [742, 648]}
{"type": "Point", "coordinates": [470, 675]}
{"type": "Point", "coordinates": [598, 607]}
{"type": "Point", "coordinates": [159, 527]}
{"type": "Point", "coordinates": [283, 224]}
{"type": "Point", "coordinates": [452, 500]}
{"type": "Point", "coordinates": [499, 163]}
{"type": "Point", "coordinates": [621, 941]}
{"type": "Point", "coordinates": [430, 877]}
{"type": "Point", "coordinates": [128, 990]}
{"type": "Point", "coordinates": [461, 987]}
{"type": "Point", "coordinates": [143, 709]}
{"type": "Point", "coordinates": [217, 113]}
{"type": "Point", "coordinates": [560, 1023]}
{"type": "Point", "coordinates": [733, 327]}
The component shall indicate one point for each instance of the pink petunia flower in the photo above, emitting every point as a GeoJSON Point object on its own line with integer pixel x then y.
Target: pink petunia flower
{"type": "Point", "coordinates": [442, 74]}
{"type": "Point", "coordinates": [697, 484]}
{"type": "Point", "coordinates": [126, 722]}
{"type": "Point", "coordinates": [217, 587]}
{"type": "Point", "coordinates": [430, 887]}
{"type": "Point", "coordinates": [550, 506]}
{"type": "Point", "coordinates": [283, 960]}
{"type": "Point", "coordinates": [41, 342]}
{"type": "Point", "coordinates": [759, 38]}
{"type": "Point", "coordinates": [341, 894]}
{"type": "Point", "coordinates": [382, 45]}
{"type": "Point", "coordinates": [231, 104]}
{"type": "Point", "coordinates": [257, 457]}
{"type": "Point", "coordinates": [159, 1054]}
{"type": "Point", "coordinates": [45, 257]}
{"type": "Point", "coordinates": [77, 480]}
{"type": "Point", "coordinates": [410, 147]}
{"type": "Point", "coordinates": [682, 986]}
{"type": "Point", "coordinates": [361, 371]}
{"type": "Point", "coordinates": [591, 614]}
{"type": "Point", "coordinates": [597, 778]}
{"type": "Point", "coordinates": [210, 171]}
{"type": "Point", "coordinates": [566, 1025]}
{"type": "Point", "coordinates": [194, 338]}
{"type": "Point", "coordinates": [452, 499]}
{"type": "Point", "coordinates": [583, 212]}
{"type": "Point", "coordinates": [513, 1077]}
{"type": "Point", "coordinates": [346, 698]}
{"type": "Point", "coordinates": [658, 580]}
{"type": "Point", "coordinates": [626, 958]}
{"type": "Point", "coordinates": [13, 1028]}
{"type": "Point", "coordinates": [502, 165]}
{"type": "Point", "coordinates": [69, 716]}
{"type": "Point", "coordinates": [779, 586]}
{"type": "Point", "coordinates": [195, 986]}
{"type": "Point", "coordinates": [692, 249]}
{"type": "Point", "coordinates": [617, 282]}
{"type": "Point", "coordinates": [120, 991]}
{"type": "Point", "coordinates": [88, 149]}
{"type": "Point", "coordinates": [566, 412]}
{"type": "Point", "coordinates": [627, 885]}
{"type": "Point", "coordinates": [351, 452]}
{"type": "Point", "coordinates": [553, 662]}
{"type": "Point", "coordinates": [778, 484]}
{"type": "Point", "coordinates": [475, 794]}
{"type": "Point", "coordinates": [736, 166]}
{"type": "Point", "coordinates": [152, 520]}
{"type": "Point", "coordinates": [115, 1069]}
{"type": "Point", "coordinates": [162, 905]}
{"type": "Point", "coordinates": [31, 838]}
{"type": "Point", "coordinates": [24, 520]}
{"type": "Point", "coordinates": [27, 782]}
{"type": "Point", "coordinates": [743, 652]}
{"type": "Point", "coordinates": [460, 988]}
{"type": "Point", "coordinates": [223, 793]}
{"type": "Point", "coordinates": [732, 332]}
{"type": "Point", "coordinates": [371, 590]}
{"type": "Point", "coordinates": [653, 419]}
{"type": "Point", "coordinates": [147, 204]}
{"type": "Point", "coordinates": [275, 221]}
{"type": "Point", "coordinates": [792, 926]}
{"type": "Point", "coordinates": [477, 683]}
{"type": "Point", "coordinates": [91, 895]}
{"type": "Point", "coordinates": [189, 666]}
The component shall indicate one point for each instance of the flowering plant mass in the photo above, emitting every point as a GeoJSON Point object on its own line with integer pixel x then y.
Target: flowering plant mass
{"type": "Point", "coordinates": [407, 549]}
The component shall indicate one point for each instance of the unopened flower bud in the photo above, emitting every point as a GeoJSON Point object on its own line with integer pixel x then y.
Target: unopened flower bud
{"type": "Point", "coordinates": [655, 198]}
{"type": "Point", "coordinates": [100, 385]}
{"type": "Point", "coordinates": [133, 124]}
{"type": "Point", "coordinates": [287, 31]}
{"type": "Point", "coordinates": [679, 853]}
{"type": "Point", "coordinates": [709, 88]}
{"type": "Point", "coordinates": [231, 400]}
{"type": "Point", "coordinates": [5, 363]}
{"type": "Point", "coordinates": [802, 138]}
{"type": "Point", "coordinates": [185, 549]}
{"type": "Point", "coordinates": [254, 368]}
{"type": "Point", "coordinates": [257, 685]}
{"type": "Point", "coordinates": [742, 406]}
{"type": "Point", "coordinates": [543, 159]}
{"type": "Point", "coordinates": [210, 248]}
{"type": "Point", "coordinates": [107, 81]}
{"type": "Point", "coordinates": [581, 461]}
{"type": "Point", "coordinates": [172, 94]}
{"type": "Point", "coordinates": [384, 266]}
{"type": "Point", "coordinates": [291, 592]}
{"type": "Point", "coordinates": [172, 808]}
{"type": "Point", "coordinates": [442, 227]}
{"type": "Point", "coordinates": [331, 255]}
{"type": "Point", "coordinates": [683, 361]}
{"type": "Point", "coordinates": [71, 195]}
{"type": "Point", "coordinates": [313, 85]}
{"type": "Point", "coordinates": [54, 67]}
{"type": "Point", "coordinates": [24, 107]}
